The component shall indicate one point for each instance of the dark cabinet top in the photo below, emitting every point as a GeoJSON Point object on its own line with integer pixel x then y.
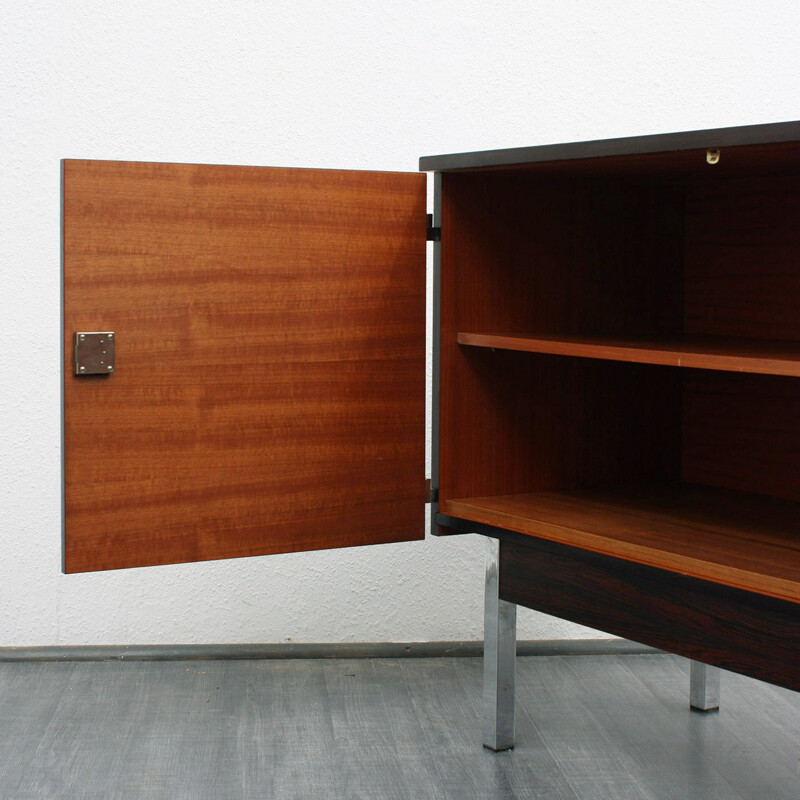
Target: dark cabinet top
{"type": "Point", "coordinates": [741, 136]}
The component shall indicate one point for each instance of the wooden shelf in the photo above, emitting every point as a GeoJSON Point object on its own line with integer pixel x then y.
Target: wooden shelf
{"type": "Point", "coordinates": [748, 541]}
{"type": "Point", "coordinates": [699, 352]}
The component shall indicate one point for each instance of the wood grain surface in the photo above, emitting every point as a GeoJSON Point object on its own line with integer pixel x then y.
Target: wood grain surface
{"type": "Point", "coordinates": [567, 257]}
{"type": "Point", "coordinates": [742, 432]}
{"type": "Point", "coordinates": [741, 259]}
{"type": "Point", "coordinates": [740, 631]}
{"type": "Point", "coordinates": [700, 352]}
{"type": "Point", "coordinates": [742, 540]}
{"type": "Point", "coordinates": [550, 284]}
{"type": "Point", "coordinates": [270, 358]}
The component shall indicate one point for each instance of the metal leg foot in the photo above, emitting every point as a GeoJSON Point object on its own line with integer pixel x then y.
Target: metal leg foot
{"type": "Point", "coordinates": [499, 658]}
{"type": "Point", "coordinates": [703, 687]}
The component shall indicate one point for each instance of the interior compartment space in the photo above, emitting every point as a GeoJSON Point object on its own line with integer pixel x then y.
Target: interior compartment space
{"type": "Point", "coordinates": [628, 338]}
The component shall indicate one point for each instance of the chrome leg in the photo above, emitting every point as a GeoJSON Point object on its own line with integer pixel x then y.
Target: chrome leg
{"type": "Point", "coordinates": [499, 658]}
{"type": "Point", "coordinates": [703, 687]}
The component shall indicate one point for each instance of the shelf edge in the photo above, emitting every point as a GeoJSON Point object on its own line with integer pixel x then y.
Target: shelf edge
{"type": "Point", "coordinates": [665, 355]}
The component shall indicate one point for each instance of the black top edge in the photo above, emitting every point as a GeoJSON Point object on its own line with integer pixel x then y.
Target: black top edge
{"type": "Point", "coordinates": [632, 145]}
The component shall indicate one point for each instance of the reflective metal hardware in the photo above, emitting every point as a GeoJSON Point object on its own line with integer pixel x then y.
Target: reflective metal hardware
{"type": "Point", "coordinates": [94, 352]}
{"type": "Point", "coordinates": [499, 657]}
{"type": "Point", "coordinates": [703, 687]}
{"type": "Point", "coordinates": [712, 156]}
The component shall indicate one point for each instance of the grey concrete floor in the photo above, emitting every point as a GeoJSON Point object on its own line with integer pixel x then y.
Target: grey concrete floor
{"type": "Point", "coordinates": [605, 727]}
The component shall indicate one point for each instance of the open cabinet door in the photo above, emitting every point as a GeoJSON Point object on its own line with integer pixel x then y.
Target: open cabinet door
{"type": "Point", "coordinates": [268, 385]}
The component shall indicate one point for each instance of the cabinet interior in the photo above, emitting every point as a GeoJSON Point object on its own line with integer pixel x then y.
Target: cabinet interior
{"type": "Point", "coordinates": [620, 358]}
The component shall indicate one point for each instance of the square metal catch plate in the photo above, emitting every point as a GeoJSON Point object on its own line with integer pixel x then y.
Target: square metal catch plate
{"type": "Point", "coordinates": [94, 352]}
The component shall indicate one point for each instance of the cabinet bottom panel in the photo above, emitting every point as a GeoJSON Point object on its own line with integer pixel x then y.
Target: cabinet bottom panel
{"type": "Point", "coordinates": [733, 538]}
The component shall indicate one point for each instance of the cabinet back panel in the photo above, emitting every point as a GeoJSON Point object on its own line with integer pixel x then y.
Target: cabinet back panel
{"type": "Point", "coordinates": [524, 422]}
{"type": "Point", "coordinates": [520, 254]}
{"type": "Point", "coordinates": [270, 341]}
{"type": "Point", "coordinates": [742, 264]}
{"type": "Point", "coordinates": [741, 432]}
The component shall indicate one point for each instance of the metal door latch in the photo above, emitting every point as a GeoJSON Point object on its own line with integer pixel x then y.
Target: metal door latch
{"type": "Point", "coordinates": [94, 352]}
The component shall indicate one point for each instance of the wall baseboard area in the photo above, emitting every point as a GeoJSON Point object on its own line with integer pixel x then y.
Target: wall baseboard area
{"type": "Point", "coordinates": [215, 652]}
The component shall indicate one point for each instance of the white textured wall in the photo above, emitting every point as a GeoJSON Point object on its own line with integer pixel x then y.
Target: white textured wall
{"type": "Point", "coordinates": [308, 83]}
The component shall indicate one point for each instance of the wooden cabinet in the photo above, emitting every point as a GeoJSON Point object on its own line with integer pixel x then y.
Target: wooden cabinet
{"type": "Point", "coordinates": [619, 362]}
{"type": "Point", "coordinates": [616, 373]}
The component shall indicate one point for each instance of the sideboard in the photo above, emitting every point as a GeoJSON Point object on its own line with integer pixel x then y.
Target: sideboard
{"type": "Point", "coordinates": [616, 377]}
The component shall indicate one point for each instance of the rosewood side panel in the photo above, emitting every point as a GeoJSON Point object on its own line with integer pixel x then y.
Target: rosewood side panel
{"type": "Point", "coordinates": [729, 628]}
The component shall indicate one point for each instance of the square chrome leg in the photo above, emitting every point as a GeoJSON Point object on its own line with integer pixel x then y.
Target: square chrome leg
{"type": "Point", "coordinates": [703, 687]}
{"type": "Point", "coordinates": [499, 658]}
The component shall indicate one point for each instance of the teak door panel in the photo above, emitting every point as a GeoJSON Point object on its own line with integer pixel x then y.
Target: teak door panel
{"type": "Point", "coordinates": [268, 394]}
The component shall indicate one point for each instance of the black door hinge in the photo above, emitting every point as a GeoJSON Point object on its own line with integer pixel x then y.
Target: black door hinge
{"type": "Point", "coordinates": [434, 233]}
{"type": "Point", "coordinates": [431, 495]}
